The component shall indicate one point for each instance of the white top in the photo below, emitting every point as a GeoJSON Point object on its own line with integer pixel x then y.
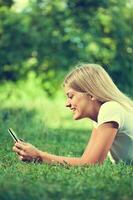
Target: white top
{"type": "Point", "coordinates": [122, 147]}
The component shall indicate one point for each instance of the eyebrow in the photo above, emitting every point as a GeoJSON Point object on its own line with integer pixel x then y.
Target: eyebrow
{"type": "Point", "coordinates": [67, 93]}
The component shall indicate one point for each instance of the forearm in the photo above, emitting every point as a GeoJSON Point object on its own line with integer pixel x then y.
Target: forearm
{"type": "Point", "coordinates": [54, 159]}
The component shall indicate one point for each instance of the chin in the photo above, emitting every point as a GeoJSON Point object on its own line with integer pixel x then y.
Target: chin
{"type": "Point", "coordinates": [77, 117]}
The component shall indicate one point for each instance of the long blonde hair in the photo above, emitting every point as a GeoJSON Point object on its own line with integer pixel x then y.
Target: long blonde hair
{"type": "Point", "coordinates": [93, 80]}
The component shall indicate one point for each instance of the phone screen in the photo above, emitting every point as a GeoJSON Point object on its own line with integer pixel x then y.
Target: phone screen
{"type": "Point", "coordinates": [13, 134]}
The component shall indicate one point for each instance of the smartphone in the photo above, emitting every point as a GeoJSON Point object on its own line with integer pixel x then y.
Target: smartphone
{"type": "Point", "coordinates": [13, 135]}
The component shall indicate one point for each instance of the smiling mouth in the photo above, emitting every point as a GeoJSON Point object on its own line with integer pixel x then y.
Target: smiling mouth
{"type": "Point", "coordinates": [73, 109]}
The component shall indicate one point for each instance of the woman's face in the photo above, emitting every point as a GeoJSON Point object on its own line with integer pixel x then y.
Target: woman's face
{"type": "Point", "coordinates": [81, 104]}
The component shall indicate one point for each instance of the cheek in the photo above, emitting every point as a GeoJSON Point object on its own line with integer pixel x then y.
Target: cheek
{"type": "Point", "coordinates": [82, 103]}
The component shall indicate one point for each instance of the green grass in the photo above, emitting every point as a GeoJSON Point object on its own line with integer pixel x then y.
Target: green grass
{"type": "Point", "coordinates": [49, 126]}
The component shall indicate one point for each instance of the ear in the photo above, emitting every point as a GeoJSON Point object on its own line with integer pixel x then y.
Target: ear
{"type": "Point", "coordinates": [93, 98]}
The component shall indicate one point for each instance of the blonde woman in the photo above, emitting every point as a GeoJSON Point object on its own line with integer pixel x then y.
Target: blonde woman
{"type": "Point", "coordinates": [92, 94]}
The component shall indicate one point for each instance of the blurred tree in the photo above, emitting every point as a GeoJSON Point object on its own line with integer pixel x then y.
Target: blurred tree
{"type": "Point", "coordinates": [15, 44]}
{"type": "Point", "coordinates": [48, 37]}
{"type": "Point", "coordinates": [7, 3]}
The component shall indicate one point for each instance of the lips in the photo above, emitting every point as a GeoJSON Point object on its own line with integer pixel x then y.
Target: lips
{"type": "Point", "coordinates": [73, 109]}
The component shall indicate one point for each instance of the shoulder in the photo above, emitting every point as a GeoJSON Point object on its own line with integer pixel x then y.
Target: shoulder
{"type": "Point", "coordinates": [111, 111]}
{"type": "Point", "coordinates": [109, 105]}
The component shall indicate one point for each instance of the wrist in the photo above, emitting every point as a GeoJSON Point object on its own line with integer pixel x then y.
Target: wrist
{"type": "Point", "coordinates": [38, 157]}
{"type": "Point", "coordinates": [42, 155]}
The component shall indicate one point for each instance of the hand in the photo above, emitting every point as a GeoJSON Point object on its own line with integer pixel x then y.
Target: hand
{"type": "Point", "coordinates": [26, 151]}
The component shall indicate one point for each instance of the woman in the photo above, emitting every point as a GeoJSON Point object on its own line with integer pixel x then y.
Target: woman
{"type": "Point", "coordinates": [92, 94]}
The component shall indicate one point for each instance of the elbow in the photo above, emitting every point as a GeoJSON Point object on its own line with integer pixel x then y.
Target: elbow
{"type": "Point", "coordinates": [92, 161]}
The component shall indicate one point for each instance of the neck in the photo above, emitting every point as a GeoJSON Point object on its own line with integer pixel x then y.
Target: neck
{"type": "Point", "coordinates": [96, 108]}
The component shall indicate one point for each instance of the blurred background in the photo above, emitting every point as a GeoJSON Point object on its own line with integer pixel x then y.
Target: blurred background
{"type": "Point", "coordinates": [41, 40]}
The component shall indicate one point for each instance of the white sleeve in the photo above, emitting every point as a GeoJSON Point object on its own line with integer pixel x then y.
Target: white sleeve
{"type": "Point", "coordinates": [111, 111]}
{"type": "Point", "coordinates": [95, 124]}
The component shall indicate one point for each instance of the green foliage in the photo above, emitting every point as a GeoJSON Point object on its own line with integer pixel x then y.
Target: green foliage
{"type": "Point", "coordinates": [48, 37]}
{"type": "Point", "coordinates": [7, 3]}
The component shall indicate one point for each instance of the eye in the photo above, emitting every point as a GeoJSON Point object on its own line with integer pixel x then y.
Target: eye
{"type": "Point", "coordinates": [70, 96]}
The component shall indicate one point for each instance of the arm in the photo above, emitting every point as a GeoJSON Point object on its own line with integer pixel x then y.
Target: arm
{"type": "Point", "coordinates": [47, 157]}
{"type": "Point", "coordinates": [54, 159]}
{"type": "Point", "coordinates": [100, 144]}
{"type": "Point", "coordinates": [50, 158]}
{"type": "Point", "coordinates": [95, 152]}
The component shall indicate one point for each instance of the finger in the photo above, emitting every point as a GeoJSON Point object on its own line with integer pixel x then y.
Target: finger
{"type": "Point", "coordinates": [18, 151]}
{"type": "Point", "coordinates": [19, 145]}
{"type": "Point", "coordinates": [24, 159]}
{"type": "Point", "coordinates": [14, 147]}
{"type": "Point", "coordinates": [21, 141]}
{"type": "Point", "coordinates": [20, 157]}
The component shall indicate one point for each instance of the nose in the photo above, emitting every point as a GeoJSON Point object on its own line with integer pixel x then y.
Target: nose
{"type": "Point", "coordinates": [68, 104]}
